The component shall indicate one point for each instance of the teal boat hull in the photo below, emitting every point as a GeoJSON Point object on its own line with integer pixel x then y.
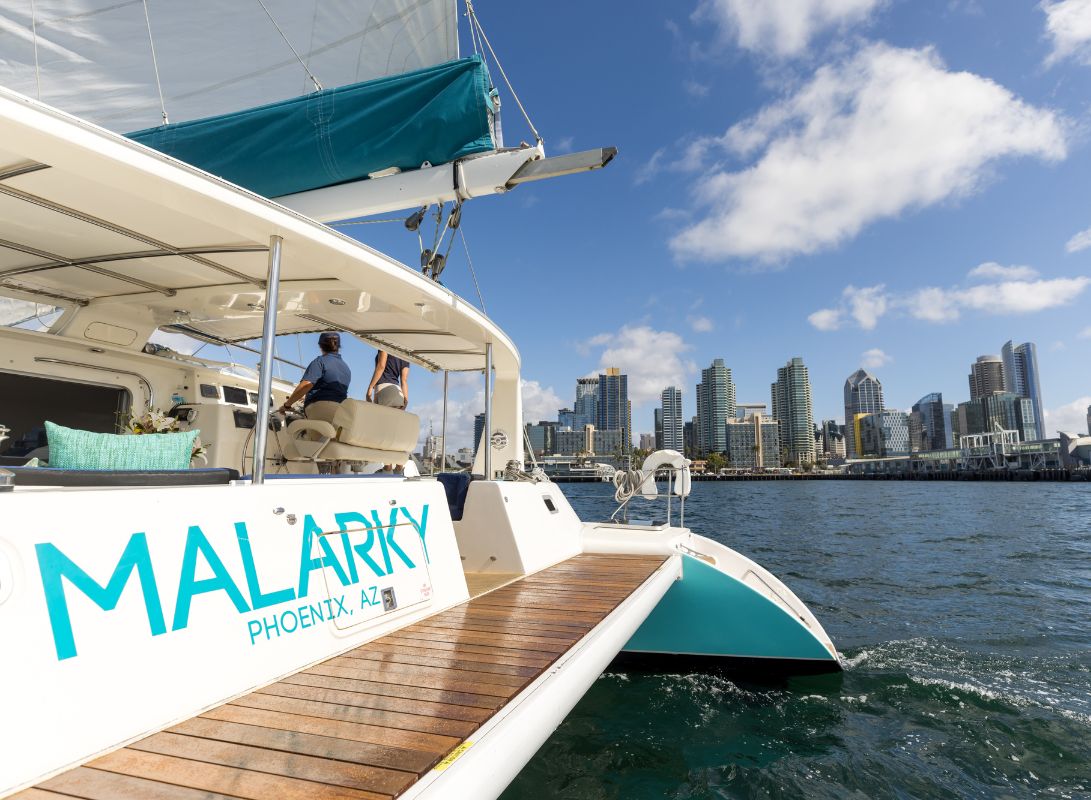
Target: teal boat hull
{"type": "Point", "coordinates": [711, 619]}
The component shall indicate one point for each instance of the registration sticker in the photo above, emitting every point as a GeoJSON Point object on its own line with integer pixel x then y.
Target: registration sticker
{"type": "Point", "coordinates": [453, 756]}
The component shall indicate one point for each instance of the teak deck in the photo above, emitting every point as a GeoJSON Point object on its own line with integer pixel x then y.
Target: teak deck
{"type": "Point", "coordinates": [371, 722]}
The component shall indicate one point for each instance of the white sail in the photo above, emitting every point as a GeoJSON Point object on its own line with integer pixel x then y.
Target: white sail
{"type": "Point", "coordinates": [94, 58]}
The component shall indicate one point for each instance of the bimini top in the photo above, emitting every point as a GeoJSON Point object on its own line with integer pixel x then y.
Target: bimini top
{"type": "Point", "coordinates": [127, 240]}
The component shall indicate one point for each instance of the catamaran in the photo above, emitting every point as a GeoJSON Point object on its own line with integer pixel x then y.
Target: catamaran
{"type": "Point", "coordinates": [280, 620]}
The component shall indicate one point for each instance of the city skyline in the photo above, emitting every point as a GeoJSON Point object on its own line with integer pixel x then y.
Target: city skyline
{"type": "Point", "coordinates": [885, 278]}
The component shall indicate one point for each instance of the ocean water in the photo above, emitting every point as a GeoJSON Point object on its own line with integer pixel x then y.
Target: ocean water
{"type": "Point", "coordinates": [962, 610]}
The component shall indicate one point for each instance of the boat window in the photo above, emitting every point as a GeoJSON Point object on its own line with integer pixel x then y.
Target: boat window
{"type": "Point", "coordinates": [15, 313]}
{"type": "Point", "coordinates": [29, 401]}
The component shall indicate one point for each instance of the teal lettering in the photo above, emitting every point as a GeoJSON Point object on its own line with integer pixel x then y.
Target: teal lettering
{"type": "Point", "coordinates": [189, 586]}
{"type": "Point", "coordinates": [258, 599]}
{"type": "Point", "coordinates": [364, 550]}
{"type": "Point", "coordinates": [386, 540]}
{"type": "Point", "coordinates": [307, 565]}
{"type": "Point", "coordinates": [55, 566]}
{"type": "Point", "coordinates": [421, 527]}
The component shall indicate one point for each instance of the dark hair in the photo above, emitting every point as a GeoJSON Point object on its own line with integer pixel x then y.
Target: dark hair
{"type": "Point", "coordinates": [329, 342]}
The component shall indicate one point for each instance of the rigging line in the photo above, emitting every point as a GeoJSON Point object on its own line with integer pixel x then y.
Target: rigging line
{"type": "Point", "coordinates": [473, 273]}
{"type": "Point", "coordinates": [504, 75]}
{"type": "Point", "coordinates": [155, 65]}
{"type": "Point", "coordinates": [34, 32]}
{"type": "Point", "coordinates": [473, 35]}
{"type": "Point", "coordinates": [314, 80]}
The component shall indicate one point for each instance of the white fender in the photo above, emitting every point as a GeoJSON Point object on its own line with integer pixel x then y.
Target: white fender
{"type": "Point", "coordinates": [665, 458]}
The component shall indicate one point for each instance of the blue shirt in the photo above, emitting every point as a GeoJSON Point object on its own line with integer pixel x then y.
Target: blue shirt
{"type": "Point", "coordinates": [330, 377]}
{"type": "Point", "coordinates": [392, 372]}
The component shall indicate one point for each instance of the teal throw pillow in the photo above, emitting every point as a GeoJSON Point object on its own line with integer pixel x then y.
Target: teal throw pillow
{"type": "Point", "coordinates": [75, 449]}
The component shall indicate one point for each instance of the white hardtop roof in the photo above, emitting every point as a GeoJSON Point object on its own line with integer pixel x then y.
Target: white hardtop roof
{"type": "Point", "coordinates": [122, 235]}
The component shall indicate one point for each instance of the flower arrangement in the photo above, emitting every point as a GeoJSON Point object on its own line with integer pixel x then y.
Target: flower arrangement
{"type": "Point", "coordinates": [155, 421]}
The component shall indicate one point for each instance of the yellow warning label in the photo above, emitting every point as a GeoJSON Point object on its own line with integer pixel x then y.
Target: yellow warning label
{"type": "Point", "coordinates": [452, 757]}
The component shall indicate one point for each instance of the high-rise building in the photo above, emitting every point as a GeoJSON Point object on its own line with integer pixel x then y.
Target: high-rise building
{"type": "Point", "coordinates": [608, 443]}
{"type": "Point", "coordinates": [542, 438]}
{"type": "Point", "coordinates": [1021, 377]}
{"type": "Point", "coordinates": [566, 419]}
{"type": "Point", "coordinates": [647, 441]}
{"type": "Point", "coordinates": [479, 428]}
{"type": "Point", "coordinates": [884, 434]}
{"type": "Point", "coordinates": [574, 443]}
{"type": "Point", "coordinates": [744, 410]}
{"type": "Point", "coordinates": [1008, 411]}
{"type": "Point", "coordinates": [689, 438]}
{"type": "Point", "coordinates": [587, 403]}
{"type": "Point", "coordinates": [1089, 420]}
{"type": "Point", "coordinates": [829, 440]}
{"type": "Point", "coordinates": [863, 395]}
{"type": "Point", "coordinates": [715, 403]}
{"type": "Point", "coordinates": [658, 412]}
{"type": "Point", "coordinates": [986, 377]}
{"type": "Point", "coordinates": [999, 411]}
{"type": "Point", "coordinates": [791, 404]}
{"type": "Point", "coordinates": [752, 442]}
{"type": "Point", "coordinates": [670, 405]}
{"type": "Point", "coordinates": [615, 412]}
{"type": "Point", "coordinates": [930, 424]}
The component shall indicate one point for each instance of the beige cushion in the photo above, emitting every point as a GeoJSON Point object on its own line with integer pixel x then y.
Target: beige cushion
{"type": "Point", "coordinates": [376, 427]}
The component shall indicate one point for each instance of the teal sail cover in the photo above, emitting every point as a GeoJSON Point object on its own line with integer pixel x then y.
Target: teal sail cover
{"type": "Point", "coordinates": [437, 114]}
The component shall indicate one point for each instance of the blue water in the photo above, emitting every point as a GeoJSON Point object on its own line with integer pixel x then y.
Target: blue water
{"type": "Point", "coordinates": [963, 612]}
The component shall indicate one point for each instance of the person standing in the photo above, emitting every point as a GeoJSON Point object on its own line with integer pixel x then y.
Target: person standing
{"type": "Point", "coordinates": [325, 383]}
{"type": "Point", "coordinates": [390, 383]}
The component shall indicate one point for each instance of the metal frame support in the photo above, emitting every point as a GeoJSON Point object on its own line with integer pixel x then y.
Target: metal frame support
{"type": "Point", "coordinates": [443, 429]}
{"type": "Point", "coordinates": [487, 436]}
{"type": "Point", "coordinates": [268, 360]}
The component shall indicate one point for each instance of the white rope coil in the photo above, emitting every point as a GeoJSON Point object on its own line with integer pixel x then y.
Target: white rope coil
{"type": "Point", "coordinates": [627, 483]}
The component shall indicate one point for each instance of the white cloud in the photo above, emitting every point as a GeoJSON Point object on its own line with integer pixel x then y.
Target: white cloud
{"type": "Point", "coordinates": [652, 359]}
{"type": "Point", "coordinates": [990, 270]}
{"type": "Point", "coordinates": [935, 304]}
{"type": "Point", "coordinates": [563, 145]}
{"type": "Point", "coordinates": [885, 131]}
{"type": "Point", "coordinates": [1068, 24]}
{"type": "Point", "coordinates": [701, 324]}
{"type": "Point", "coordinates": [1081, 241]}
{"type": "Point", "coordinates": [1086, 333]}
{"type": "Point", "coordinates": [826, 319]}
{"type": "Point", "coordinates": [1021, 297]}
{"type": "Point", "coordinates": [696, 89]}
{"type": "Point", "coordinates": [866, 305]}
{"type": "Point", "coordinates": [539, 402]}
{"type": "Point", "coordinates": [874, 358]}
{"type": "Point", "coordinates": [932, 304]}
{"type": "Point", "coordinates": [1070, 418]}
{"type": "Point", "coordinates": [782, 27]}
{"type": "Point", "coordinates": [650, 168]}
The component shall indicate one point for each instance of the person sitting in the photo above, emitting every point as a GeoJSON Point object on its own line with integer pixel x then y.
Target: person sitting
{"type": "Point", "coordinates": [390, 383]}
{"type": "Point", "coordinates": [325, 383]}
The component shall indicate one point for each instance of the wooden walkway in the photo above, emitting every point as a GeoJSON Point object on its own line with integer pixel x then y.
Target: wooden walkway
{"type": "Point", "coordinates": [371, 722]}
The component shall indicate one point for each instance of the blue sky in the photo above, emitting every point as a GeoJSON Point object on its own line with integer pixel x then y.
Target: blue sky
{"type": "Point", "coordinates": [796, 177]}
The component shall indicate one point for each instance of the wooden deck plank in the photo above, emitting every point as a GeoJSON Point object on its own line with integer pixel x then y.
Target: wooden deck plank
{"type": "Point", "coordinates": [410, 740]}
{"type": "Point", "coordinates": [241, 783]}
{"type": "Point", "coordinates": [309, 744]}
{"type": "Point", "coordinates": [351, 698]}
{"type": "Point", "coordinates": [365, 716]}
{"type": "Point", "coordinates": [292, 765]}
{"type": "Point", "coordinates": [370, 722]}
{"type": "Point", "coordinates": [93, 784]}
{"type": "Point", "coordinates": [453, 663]}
